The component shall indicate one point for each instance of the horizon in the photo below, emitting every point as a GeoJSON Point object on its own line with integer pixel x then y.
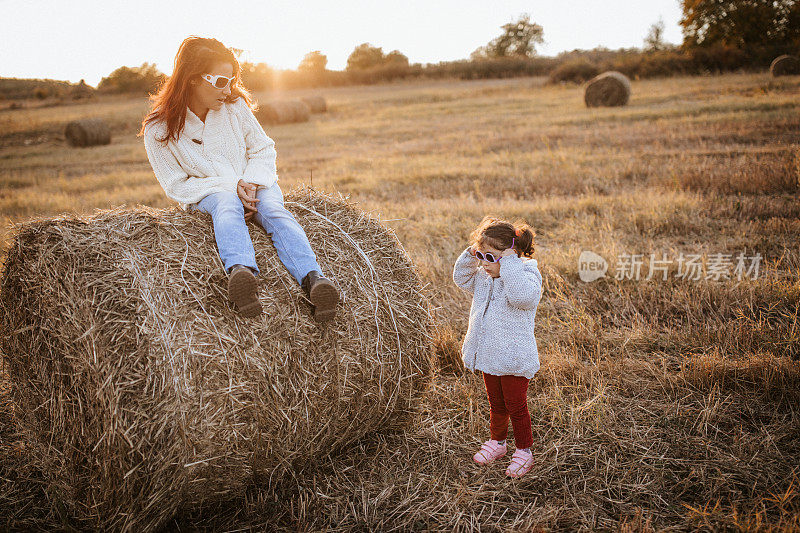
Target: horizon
{"type": "Point", "coordinates": [281, 42]}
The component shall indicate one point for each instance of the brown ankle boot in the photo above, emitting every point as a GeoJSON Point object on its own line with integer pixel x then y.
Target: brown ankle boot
{"type": "Point", "coordinates": [323, 295]}
{"type": "Point", "coordinates": [242, 291]}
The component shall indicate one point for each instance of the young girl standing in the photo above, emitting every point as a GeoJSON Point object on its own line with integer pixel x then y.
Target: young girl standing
{"type": "Point", "coordinates": [497, 269]}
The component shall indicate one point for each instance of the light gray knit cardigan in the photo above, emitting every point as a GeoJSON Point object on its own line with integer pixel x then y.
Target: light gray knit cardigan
{"type": "Point", "coordinates": [500, 338]}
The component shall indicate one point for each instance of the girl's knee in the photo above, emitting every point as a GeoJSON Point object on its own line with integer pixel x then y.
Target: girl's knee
{"type": "Point", "coordinates": [516, 408]}
{"type": "Point", "coordinates": [271, 194]}
{"type": "Point", "coordinates": [272, 209]}
{"type": "Point", "coordinates": [229, 203]}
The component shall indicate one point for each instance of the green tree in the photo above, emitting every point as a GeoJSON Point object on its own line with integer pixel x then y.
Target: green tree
{"type": "Point", "coordinates": [518, 39]}
{"type": "Point", "coordinates": [142, 79]}
{"type": "Point", "coordinates": [740, 23]}
{"type": "Point", "coordinates": [257, 77]}
{"type": "Point", "coordinates": [365, 56]}
{"type": "Point", "coordinates": [395, 59]}
{"type": "Point", "coordinates": [655, 37]}
{"type": "Point", "coordinates": [313, 62]}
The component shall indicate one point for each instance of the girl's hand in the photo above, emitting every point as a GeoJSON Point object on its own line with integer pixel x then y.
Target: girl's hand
{"type": "Point", "coordinates": [472, 249]}
{"type": "Point", "coordinates": [247, 194]}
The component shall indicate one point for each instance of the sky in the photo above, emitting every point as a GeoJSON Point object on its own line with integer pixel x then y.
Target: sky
{"type": "Point", "coordinates": [74, 39]}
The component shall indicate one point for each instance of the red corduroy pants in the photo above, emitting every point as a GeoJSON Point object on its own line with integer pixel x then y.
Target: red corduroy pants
{"type": "Point", "coordinates": [508, 398]}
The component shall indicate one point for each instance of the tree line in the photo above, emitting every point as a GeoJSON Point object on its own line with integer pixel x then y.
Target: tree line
{"type": "Point", "coordinates": [718, 35]}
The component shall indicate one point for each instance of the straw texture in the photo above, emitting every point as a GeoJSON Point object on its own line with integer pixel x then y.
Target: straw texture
{"type": "Point", "coordinates": [142, 393]}
{"type": "Point", "coordinates": [88, 132]}
{"type": "Point", "coordinates": [283, 112]}
{"type": "Point", "coordinates": [316, 104]}
{"type": "Point", "coordinates": [785, 65]}
{"type": "Point", "coordinates": [608, 89]}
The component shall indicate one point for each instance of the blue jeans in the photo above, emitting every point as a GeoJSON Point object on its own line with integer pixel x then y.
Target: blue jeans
{"type": "Point", "coordinates": [233, 237]}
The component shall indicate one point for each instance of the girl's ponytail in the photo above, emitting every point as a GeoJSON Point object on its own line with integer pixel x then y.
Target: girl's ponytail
{"type": "Point", "coordinates": [524, 239]}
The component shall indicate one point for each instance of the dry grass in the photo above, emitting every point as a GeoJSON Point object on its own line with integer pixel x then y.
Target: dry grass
{"type": "Point", "coordinates": [661, 405]}
{"type": "Point", "coordinates": [129, 408]}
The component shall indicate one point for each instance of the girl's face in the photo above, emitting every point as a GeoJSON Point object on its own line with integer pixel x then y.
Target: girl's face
{"type": "Point", "coordinates": [493, 269]}
{"type": "Point", "coordinates": [205, 96]}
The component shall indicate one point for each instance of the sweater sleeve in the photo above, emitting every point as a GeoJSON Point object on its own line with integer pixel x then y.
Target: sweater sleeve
{"type": "Point", "coordinates": [465, 271]}
{"type": "Point", "coordinates": [522, 287]}
{"type": "Point", "coordinates": [175, 181]}
{"type": "Point", "coordinates": [261, 156]}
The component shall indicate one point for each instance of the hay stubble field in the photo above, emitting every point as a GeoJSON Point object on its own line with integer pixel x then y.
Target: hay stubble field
{"type": "Point", "coordinates": [661, 404]}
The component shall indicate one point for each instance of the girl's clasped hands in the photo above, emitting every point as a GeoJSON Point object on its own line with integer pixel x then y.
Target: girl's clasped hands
{"type": "Point", "coordinates": [247, 194]}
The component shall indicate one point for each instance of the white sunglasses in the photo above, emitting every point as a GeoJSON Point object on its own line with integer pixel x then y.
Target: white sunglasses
{"type": "Point", "coordinates": [216, 81]}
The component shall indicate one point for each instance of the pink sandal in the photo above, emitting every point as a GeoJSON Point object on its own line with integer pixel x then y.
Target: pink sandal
{"type": "Point", "coordinates": [521, 464]}
{"type": "Point", "coordinates": [490, 450]}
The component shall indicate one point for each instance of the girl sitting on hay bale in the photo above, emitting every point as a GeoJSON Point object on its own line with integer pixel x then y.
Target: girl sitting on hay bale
{"type": "Point", "coordinates": [210, 154]}
{"type": "Point", "coordinates": [506, 285]}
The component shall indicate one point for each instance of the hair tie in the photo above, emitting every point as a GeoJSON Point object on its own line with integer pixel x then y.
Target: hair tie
{"type": "Point", "coordinates": [517, 232]}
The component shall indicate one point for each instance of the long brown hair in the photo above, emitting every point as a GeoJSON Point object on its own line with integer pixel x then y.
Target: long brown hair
{"type": "Point", "coordinates": [195, 57]}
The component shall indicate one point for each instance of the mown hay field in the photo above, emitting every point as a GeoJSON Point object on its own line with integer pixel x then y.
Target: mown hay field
{"type": "Point", "coordinates": [662, 404]}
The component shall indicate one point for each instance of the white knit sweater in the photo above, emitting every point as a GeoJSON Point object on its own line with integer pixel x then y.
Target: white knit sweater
{"type": "Point", "coordinates": [500, 338]}
{"type": "Point", "coordinates": [234, 146]}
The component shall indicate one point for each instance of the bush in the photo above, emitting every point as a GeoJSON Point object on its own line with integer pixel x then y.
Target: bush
{"type": "Point", "coordinates": [665, 63]}
{"type": "Point", "coordinates": [143, 79]}
{"type": "Point", "coordinates": [719, 58]}
{"type": "Point", "coordinates": [675, 62]}
{"type": "Point", "coordinates": [20, 88]}
{"type": "Point", "coordinates": [382, 73]}
{"type": "Point", "coordinates": [501, 67]}
{"type": "Point", "coordinates": [364, 57]}
{"type": "Point", "coordinates": [576, 70]}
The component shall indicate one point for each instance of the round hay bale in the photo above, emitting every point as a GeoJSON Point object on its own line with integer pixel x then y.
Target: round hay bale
{"type": "Point", "coordinates": [608, 89]}
{"type": "Point", "coordinates": [143, 393]}
{"type": "Point", "coordinates": [316, 104]}
{"type": "Point", "coordinates": [283, 112]}
{"type": "Point", "coordinates": [88, 132]}
{"type": "Point", "coordinates": [785, 65]}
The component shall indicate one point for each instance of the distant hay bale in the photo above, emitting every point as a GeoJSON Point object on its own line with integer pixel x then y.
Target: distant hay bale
{"type": "Point", "coordinates": [608, 89]}
{"type": "Point", "coordinates": [88, 132]}
{"type": "Point", "coordinates": [283, 112]}
{"type": "Point", "coordinates": [143, 393]}
{"type": "Point", "coordinates": [785, 65]}
{"type": "Point", "coordinates": [316, 104]}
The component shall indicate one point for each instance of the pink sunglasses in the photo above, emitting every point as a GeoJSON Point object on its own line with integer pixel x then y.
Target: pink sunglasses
{"type": "Point", "coordinates": [489, 256]}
